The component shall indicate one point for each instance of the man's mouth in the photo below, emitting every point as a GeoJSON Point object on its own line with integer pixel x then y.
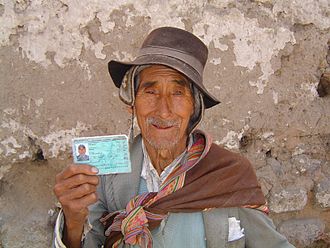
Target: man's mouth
{"type": "Point", "coordinates": [162, 124]}
{"type": "Point", "coordinates": [162, 127]}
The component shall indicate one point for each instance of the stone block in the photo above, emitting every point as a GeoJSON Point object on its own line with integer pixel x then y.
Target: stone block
{"type": "Point", "coordinates": [285, 200]}
{"type": "Point", "coordinates": [267, 179]}
{"type": "Point", "coordinates": [302, 232]}
{"type": "Point", "coordinates": [306, 165]}
{"type": "Point", "coordinates": [276, 166]}
{"type": "Point", "coordinates": [322, 193]}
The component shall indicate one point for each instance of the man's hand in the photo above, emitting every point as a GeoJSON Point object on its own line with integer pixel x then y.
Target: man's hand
{"type": "Point", "coordinates": [75, 188]}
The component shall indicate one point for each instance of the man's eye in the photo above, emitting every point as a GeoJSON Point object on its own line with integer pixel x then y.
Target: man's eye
{"type": "Point", "coordinates": [150, 91]}
{"type": "Point", "coordinates": [178, 92]}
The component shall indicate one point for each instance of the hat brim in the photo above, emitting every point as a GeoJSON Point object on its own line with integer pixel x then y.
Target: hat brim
{"type": "Point", "coordinates": [118, 70]}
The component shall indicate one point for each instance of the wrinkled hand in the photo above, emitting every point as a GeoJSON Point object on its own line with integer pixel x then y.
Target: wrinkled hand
{"type": "Point", "coordinates": [75, 188]}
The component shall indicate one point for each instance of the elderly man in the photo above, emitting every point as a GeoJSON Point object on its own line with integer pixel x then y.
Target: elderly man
{"type": "Point", "coordinates": [184, 191]}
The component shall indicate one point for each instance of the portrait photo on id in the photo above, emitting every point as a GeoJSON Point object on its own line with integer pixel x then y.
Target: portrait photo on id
{"type": "Point", "coordinates": [81, 153]}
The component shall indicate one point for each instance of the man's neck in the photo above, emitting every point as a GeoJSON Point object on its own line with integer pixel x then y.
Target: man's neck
{"type": "Point", "coordinates": [161, 158]}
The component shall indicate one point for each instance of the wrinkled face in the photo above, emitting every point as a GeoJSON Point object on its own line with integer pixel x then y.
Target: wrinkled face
{"type": "Point", "coordinates": [163, 105]}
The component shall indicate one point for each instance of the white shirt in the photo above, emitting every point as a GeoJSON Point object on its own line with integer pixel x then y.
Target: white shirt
{"type": "Point", "coordinates": [149, 172]}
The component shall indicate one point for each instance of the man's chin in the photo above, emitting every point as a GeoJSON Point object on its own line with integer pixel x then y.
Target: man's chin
{"type": "Point", "coordinates": [163, 139]}
{"type": "Point", "coordinates": [162, 143]}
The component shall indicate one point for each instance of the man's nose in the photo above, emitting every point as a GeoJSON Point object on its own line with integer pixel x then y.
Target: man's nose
{"type": "Point", "coordinates": [164, 106]}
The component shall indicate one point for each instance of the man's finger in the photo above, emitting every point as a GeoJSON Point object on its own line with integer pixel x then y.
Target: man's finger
{"type": "Point", "coordinates": [77, 193]}
{"type": "Point", "coordinates": [74, 169]}
{"type": "Point", "coordinates": [78, 204]}
{"type": "Point", "coordinates": [74, 182]}
{"type": "Point", "coordinates": [87, 200]}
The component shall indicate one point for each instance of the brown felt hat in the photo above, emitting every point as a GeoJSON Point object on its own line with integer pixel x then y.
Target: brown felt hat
{"type": "Point", "coordinates": [172, 47]}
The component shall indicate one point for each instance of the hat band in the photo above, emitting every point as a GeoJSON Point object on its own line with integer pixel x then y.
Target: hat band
{"type": "Point", "coordinates": [186, 58]}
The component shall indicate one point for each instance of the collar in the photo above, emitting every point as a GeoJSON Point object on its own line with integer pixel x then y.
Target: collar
{"type": "Point", "coordinates": [149, 172]}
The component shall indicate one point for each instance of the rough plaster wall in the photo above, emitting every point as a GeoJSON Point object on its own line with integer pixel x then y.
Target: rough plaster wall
{"type": "Point", "coordinates": [266, 61]}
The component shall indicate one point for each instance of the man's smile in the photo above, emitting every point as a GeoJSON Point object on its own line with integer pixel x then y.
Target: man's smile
{"type": "Point", "coordinates": [160, 124]}
{"type": "Point", "coordinates": [162, 127]}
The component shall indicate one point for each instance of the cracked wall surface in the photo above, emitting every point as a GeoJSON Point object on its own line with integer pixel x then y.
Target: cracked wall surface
{"type": "Point", "coordinates": [269, 64]}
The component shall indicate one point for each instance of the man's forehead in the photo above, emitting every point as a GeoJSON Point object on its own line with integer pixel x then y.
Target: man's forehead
{"type": "Point", "coordinates": [152, 72]}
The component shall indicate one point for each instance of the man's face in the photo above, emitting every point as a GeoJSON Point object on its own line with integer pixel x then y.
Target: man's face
{"type": "Point", "coordinates": [81, 150]}
{"type": "Point", "coordinates": [163, 105]}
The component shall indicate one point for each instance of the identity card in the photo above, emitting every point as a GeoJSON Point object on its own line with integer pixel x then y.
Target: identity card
{"type": "Point", "coordinates": [109, 154]}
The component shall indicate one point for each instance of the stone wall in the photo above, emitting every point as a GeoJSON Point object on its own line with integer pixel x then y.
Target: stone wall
{"type": "Point", "coordinates": [268, 64]}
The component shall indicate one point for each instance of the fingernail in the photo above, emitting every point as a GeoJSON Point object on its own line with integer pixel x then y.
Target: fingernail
{"type": "Point", "coordinates": [95, 170]}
